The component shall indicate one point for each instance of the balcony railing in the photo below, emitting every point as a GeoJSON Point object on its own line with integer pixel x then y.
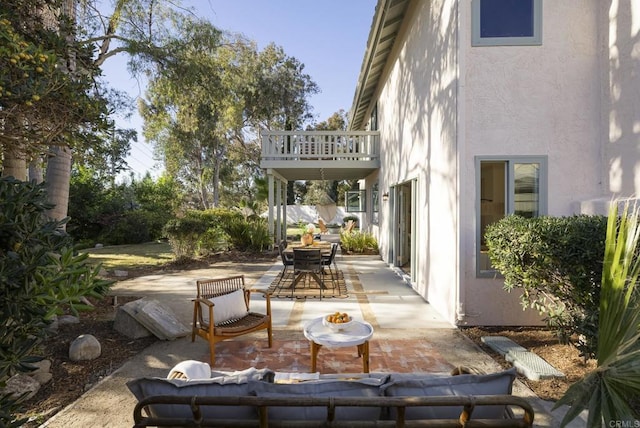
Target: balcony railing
{"type": "Point", "coordinates": [320, 145]}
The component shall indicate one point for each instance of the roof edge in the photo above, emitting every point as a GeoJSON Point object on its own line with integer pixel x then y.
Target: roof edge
{"type": "Point", "coordinates": [372, 41]}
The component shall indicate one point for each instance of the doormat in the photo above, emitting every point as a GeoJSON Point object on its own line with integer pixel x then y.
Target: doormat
{"type": "Point", "coordinates": [308, 288]}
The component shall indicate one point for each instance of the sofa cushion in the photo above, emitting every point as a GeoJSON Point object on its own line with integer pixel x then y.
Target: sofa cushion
{"type": "Point", "coordinates": [228, 307]}
{"type": "Point", "coordinates": [462, 385]}
{"type": "Point", "coordinates": [222, 384]}
{"type": "Point", "coordinates": [321, 388]}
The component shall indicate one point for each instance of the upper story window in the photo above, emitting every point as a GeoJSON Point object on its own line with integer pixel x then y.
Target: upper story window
{"type": "Point", "coordinates": [506, 22]}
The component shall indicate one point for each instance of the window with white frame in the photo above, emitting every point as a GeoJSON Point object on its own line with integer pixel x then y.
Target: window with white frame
{"type": "Point", "coordinates": [507, 186]}
{"type": "Point", "coordinates": [506, 22]}
{"type": "Point", "coordinates": [356, 201]}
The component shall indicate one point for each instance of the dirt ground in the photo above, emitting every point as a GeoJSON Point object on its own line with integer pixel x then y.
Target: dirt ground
{"type": "Point", "coordinates": [71, 379]}
{"type": "Point", "coordinates": [543, 343]}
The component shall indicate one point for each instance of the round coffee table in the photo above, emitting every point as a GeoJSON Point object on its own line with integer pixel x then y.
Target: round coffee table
{"type": "Point", "coordinates": [357, 334]}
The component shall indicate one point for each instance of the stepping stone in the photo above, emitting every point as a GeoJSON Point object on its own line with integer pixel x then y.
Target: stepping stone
{"type": "Point", "coordinates": [501, 344]}
{"type": "Point", "coordinates": [532, 366]}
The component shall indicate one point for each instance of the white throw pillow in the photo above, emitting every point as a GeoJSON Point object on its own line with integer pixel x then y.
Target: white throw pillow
{"type": "Point", "coordinates": [229, 307]}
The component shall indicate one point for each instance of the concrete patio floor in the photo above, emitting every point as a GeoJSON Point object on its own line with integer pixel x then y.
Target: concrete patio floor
{"type": "Point", "coordinates": [404, 324]}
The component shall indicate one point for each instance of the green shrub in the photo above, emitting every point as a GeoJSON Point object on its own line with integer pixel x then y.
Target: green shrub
{"type": "Point", "coordinates": [609, 393]}
{"type": "Point", "coordinates": [557, 263]}
{"type": "Point", "coordinates": [131, 228]}
{"type": "Point", "coordinates": [41, 277]}
{"type": "Point", "coordinates": [219, 229]}
{"type": "Point", "coordinates": [358, 242]}
{"type": "Point", "coordinates": [249, 234]}
{"type": "Point", "coordinates": [184, 235]}
{"type": "Point", "coordinates": [214, 240]}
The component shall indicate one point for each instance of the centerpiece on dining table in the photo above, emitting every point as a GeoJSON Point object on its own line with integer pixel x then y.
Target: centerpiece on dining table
{"type": "Point", "coordinates": [307, 234]}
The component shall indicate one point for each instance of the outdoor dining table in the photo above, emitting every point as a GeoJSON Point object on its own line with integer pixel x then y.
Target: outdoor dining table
{"type": "Point", "coordinates": [323, 246]}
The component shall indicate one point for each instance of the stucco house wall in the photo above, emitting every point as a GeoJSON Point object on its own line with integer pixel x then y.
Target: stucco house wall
{"type": "Point", "coordinates": [529, 100]}
{"type": "Point", "coordinates": [416, 110]}
{"type": "Point", "coordinates": [620, 77]}
{"type": "Point", "coordinates": [443, 103]}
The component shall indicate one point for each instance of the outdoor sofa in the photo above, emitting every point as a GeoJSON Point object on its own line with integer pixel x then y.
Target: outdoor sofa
{"type": "Point", "coordinates": [252, 398]}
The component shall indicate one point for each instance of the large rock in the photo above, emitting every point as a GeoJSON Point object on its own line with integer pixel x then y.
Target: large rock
{"type": "Point", "coordinates": [152, 316]}
{"type": "Point", "coordinates": [85, 347]}
{"type": "Point", "coordinates": [42, 373]}
{"type": "Point", "coordinates": [20, 384]}
{"type": "Point", "coordinates": [161, 321]}
{"type": "Point", "coordinates": [125, 322]}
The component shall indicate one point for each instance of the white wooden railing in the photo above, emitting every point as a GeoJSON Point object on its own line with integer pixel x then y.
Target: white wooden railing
{"type": "Point", "coordinates": [320, 145]}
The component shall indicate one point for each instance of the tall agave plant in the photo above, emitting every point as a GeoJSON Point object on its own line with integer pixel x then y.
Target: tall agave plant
{"type": "Point", "coordinates": [606, 391]}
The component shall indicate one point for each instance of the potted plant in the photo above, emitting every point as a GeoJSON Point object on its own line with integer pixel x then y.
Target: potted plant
{"type": "Point", "coordinates": [306, 237]}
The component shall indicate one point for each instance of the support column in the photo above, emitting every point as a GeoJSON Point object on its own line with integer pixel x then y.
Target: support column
{"type": "Point", "coordinates": [279, 212]}
{"type": "Point", "coordinates": [284, 210]}
{"type": "Point", "coordinates": [270, 202]}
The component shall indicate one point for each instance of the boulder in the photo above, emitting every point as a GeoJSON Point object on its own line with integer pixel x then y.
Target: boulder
{"type": "Point", "coordinates": [42, 373]}
{"type": "Point", "coordinates": [20, 384]}
{"type": "Point", "coordinates": [85, 347]}
{"type": "Point", "coordinates": [125, 322]}
{"type": "Point", "coordinates": [68, 320]}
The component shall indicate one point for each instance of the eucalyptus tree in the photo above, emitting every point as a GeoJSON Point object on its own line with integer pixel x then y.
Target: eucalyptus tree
{"type": "Point", "coordinates": [278, 98]}
{"type": "Point", "coordinates": [190, 106]}
{"type": "Point", "coordinates": [42, 101]}
{"type": "Point", "coordinates": [318, 191]}
{"type": "Point", "coordinates": [53, 101]}
{"type": "Point", "coordinates": [204, 110]}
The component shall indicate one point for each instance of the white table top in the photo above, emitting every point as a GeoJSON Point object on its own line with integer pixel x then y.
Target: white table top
{"type": "Point", "coordinates": [356, 333]}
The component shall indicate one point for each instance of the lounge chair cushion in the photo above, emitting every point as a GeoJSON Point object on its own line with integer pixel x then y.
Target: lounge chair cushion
{"type": "Point", "coordinates": [321, 388]}
{"type": "Point", "coordinates": [431, 385]}
{"type": "Point", "coordinates": [228, 307]}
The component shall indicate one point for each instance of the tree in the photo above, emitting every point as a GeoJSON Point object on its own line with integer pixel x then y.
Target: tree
{"type": "Point", "coordinates": [34, 84]}
{"type": "Point", "coordinates": [51, 102]}
{"type": "Point", "coordinates": [319, 191]}
{"type": "Point", "coordinates": [204, 108]}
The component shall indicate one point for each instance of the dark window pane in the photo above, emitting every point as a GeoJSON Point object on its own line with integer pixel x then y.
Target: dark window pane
{"type": "Point", "coordinates": [506, 18]}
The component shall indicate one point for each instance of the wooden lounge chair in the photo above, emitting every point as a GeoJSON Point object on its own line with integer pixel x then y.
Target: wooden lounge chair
{"type": "Point", "coordinates": [349, 226]}
{"type": "Point", "coordinates": [221, 311]}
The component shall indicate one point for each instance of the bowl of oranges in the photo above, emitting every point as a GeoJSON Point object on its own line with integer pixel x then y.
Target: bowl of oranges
{"type": "Point", "coordinates": [337, 321]}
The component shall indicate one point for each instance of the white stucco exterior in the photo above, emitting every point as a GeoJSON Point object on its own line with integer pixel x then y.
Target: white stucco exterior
{"type": "Point", "coordinates": [574, 100]}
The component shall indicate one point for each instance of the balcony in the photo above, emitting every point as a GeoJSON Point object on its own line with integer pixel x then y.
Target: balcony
{"type": "Point", "coordinates": [320, 155]}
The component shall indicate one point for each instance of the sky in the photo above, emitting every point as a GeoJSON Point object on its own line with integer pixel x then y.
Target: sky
{"type": "Point", "coordinates": [328, 36]}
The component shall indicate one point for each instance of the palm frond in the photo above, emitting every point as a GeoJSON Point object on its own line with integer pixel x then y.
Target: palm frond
{"type": "Point", "coordinates": [606, 391]}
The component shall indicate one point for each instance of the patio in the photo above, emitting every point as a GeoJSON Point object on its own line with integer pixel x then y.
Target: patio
{"type": "Point", "coordinates": [409, 335]}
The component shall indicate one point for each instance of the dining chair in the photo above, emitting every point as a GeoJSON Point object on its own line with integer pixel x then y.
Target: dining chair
{"type": "Point", "coordinates": [307, 262]}
{"type": "Point", "coordinates": [330, 259]}
{"type": "Point", "coordinates": [287, 260]}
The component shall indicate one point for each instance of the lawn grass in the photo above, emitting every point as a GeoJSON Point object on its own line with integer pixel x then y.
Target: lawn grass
{"type": "Point", "coordinates": [127, 257]}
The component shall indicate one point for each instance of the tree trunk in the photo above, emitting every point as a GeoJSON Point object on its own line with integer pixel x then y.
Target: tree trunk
{"type": "Point", "coordinates": [57, 181]}
{"type": "Point", "coordinates": [14, 165]}
{"type": "Point", "coordinates": [36, 172]}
